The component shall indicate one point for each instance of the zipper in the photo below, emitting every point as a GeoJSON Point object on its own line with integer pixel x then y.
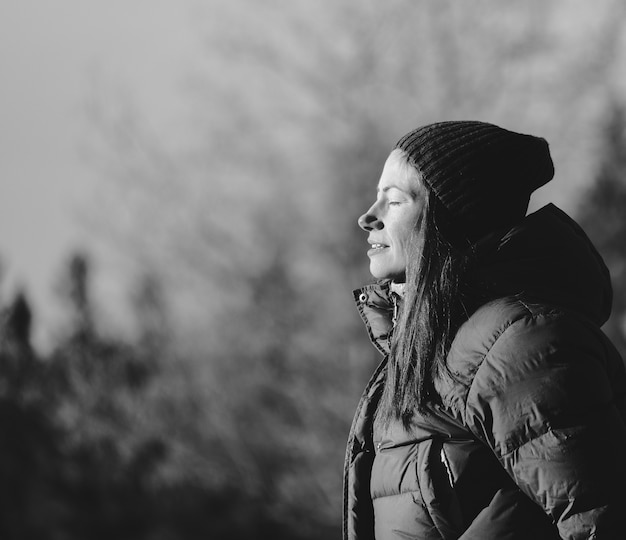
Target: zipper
{"type": "Point", "coordinates": [394, 318]}
{"type": "Point", "coordinates": [446, 464]}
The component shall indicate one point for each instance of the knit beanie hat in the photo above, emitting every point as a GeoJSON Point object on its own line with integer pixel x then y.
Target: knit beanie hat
{"type": "Point", "coordinates": [481, 173]}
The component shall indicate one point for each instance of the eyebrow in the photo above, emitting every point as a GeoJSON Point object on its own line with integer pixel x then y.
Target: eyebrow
{"type": "Point", "coordinates": [393, 186]}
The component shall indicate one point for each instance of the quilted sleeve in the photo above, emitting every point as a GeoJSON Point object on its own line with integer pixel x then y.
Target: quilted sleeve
{"type": "Point", "coordinates": [548, 399]}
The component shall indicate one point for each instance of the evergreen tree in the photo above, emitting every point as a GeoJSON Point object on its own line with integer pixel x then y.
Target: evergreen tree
{"type": "Point", "coordinates": [604, 219]}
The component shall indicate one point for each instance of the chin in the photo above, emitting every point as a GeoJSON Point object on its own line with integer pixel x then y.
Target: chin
{"type": "Point", "coordinates": [398, 277]}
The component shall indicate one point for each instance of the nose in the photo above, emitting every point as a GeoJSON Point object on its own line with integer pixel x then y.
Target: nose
{"type": "Point", "coordinates": [369, 221]}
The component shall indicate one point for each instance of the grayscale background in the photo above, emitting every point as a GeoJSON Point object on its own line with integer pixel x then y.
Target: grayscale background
{"type": "Point", "coordinates": [180, 355]}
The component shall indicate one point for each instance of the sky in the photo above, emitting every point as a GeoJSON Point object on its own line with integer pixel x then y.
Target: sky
{"type": "Point", "coordinates": [54, 57]}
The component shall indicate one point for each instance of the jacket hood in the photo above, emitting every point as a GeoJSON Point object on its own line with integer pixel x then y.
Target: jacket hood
{"type": "Point", "coordinates": [547, 257]}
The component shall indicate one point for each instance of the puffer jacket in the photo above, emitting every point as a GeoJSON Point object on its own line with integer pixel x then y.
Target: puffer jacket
{"type": "Point", "coordinates": [528, 440]}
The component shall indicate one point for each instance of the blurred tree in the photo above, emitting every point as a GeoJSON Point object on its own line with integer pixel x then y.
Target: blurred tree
{"type": "Point", "coordinates": [29, 442]}
{"type": "Point", "coordinates": [17, 356]}
{"type": "Point", "coordinates": [151, 312]}
{"type": "Point", "coordinates": [75, 292]}
{"type": "Point", "coordinates": [19, 321]}
{"type": "Point", "coordinates": [603, 218]}
{"type": "Point", "coordinates": [89, 448]}
{"type": "Point", "coordinates": [101, 378]}
{"type": "Point", "coordinates": [100, 404]}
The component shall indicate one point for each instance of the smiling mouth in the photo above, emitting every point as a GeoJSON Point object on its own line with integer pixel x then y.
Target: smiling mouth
{"type": "Point", "coordinates": [376, 248]}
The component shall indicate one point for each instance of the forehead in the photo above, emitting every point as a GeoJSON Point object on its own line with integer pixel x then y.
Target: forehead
{"type": "Point", "coordinates": [399, 173]}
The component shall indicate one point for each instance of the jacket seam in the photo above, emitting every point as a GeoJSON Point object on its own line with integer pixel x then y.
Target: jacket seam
{"type": "Point", "coordinates": [528, 441]}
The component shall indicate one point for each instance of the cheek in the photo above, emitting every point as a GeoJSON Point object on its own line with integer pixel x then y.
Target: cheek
{"type": "Point", "coordinates": [405, 237]}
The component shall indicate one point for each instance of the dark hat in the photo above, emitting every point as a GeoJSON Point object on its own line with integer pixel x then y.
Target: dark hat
{"type": "Point", "coordinates": [481, 173]}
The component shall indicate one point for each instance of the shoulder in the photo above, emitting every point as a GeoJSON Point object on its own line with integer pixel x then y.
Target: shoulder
{"type": "Point", "coordinates": [545, 390]}
{"type": "Point", "coordinates": [498, 326]}
{"type": "Point", "coordinates": [516, 353]}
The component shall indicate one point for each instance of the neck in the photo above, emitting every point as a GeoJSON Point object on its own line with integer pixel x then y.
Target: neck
{"type": "Point", "coordinates": [397, 288]}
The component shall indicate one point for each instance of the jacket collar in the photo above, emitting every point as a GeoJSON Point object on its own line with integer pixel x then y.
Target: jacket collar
{"type": "Point", "coordinates": [376, 305]}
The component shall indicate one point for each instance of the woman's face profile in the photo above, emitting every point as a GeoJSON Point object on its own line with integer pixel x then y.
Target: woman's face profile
{"type": "Point", "coordinates": [393, 217]}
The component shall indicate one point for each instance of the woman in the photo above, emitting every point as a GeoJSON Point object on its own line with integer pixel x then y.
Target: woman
{"type": "Point", "coordinates": [499, 408]}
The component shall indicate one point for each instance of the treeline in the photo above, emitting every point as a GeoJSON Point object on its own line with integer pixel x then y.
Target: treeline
{"type": "Point", "coordinates": [111, 438]}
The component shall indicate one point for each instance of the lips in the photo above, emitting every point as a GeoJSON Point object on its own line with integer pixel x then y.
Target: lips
{"type": "Point", "coordinates": [376, 247]}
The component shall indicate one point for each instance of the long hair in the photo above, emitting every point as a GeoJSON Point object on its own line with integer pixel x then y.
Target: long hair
{"type": "Point", "coordinates": [431, 312]}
